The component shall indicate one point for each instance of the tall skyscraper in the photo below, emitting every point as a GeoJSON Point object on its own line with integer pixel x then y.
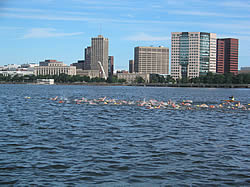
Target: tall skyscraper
{"type": "Point", "coordinates": [111, 66]}
{"type": "Point", "coordinates": [87, 57]}
{"type": "Point", "coordinates": [153, 60]}
{"type": "Point", "coordinates": [99, 53]}
{"type": "Point", "coordinates": [193, 54]}
{"type": "Point", "coordinates": [131, 66]}
{"type": "Point", "coordinates": [227, 55]}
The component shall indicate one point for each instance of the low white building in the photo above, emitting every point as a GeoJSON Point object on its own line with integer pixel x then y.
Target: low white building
{"type": "Point", "coordinates": [53, 67]}
{"type": "Point", "coordinates": [19, 73]}
{"type": "Point", "coordinates": [11, 67]}
{"type": "Point", "coordinates": [45, 81]}
{"type": "Point", "coordinates": [88, 73]}
{"type": "Point", "coordinates": [131, 77]}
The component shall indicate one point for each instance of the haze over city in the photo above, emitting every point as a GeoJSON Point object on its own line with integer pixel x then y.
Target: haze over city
{"type": "Point", "coordinates": [34, 30]}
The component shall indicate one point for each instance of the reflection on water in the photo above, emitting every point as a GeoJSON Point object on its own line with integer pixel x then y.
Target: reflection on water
{"type": "Point", "coordinates": [44, 142]}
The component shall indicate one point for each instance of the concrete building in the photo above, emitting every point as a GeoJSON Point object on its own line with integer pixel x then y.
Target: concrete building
{"type": "Point", "coordinates": [53, 67]}
{"type": "Point", "coordinates": [88, 73]}
{"type": "Point", "coordinates": [193, 54]}
{"type": "Point", "coordinates": [19, 73]}
{"type": "Point", "coordinates": [131, 77]}
{"type": "Point", "coordinates": [31, 65]}
{"type": "Point", "coordinates": [99, 53]}
{"type": "Point", "coordinates": [11, 67]}
{"type": "Point", "coordinates": [121, 71]}
{"type": "Point", "coordinates": [152, 60]}
{"type": "Point", "coordinates": [79, 64]}
{"type": "Point", "coordinates": [227, 55]}
{"type": "Point", "coordinates": [111, 66]}
{"type": "Point", "coordinates": [244, 70]}
{"type": "Point", "coordinates": [45, 81]}
{"type": "Point", "coordinates": [87, 57]}
{"type": "Point", "coordinates": [131, 66]}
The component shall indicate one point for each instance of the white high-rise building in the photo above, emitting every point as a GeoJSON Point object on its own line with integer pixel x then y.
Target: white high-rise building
{"type": "Point", "coordinates": [192, 54]}
{"type": "Point", "coordinates": [152, 60]}
{"type": "Point", "coordinates": [99, 52]}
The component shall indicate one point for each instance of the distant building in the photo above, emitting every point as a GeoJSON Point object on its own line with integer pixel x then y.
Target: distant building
{"type": "Point", "coordinates": [87, 57]}
{"type": "Point", "coordinates": [53, 67]}
{"type": "Point", "coordinates": [99, 53]}
{"type": "Point", "coordinates": [244, 70]}
{"type": "Point", "coordinates": [131, 66]}
{"type": "Point", "coordinates": [88, 73]}
{"type": "Point", "coordinates": [45, 81]}
{"type": "Point", "coordinates": [11, 67]}
{"type": "Point", "coordinates": [111, 66]}
{"type": "Point", "coordinates": [31, 65]}
{"type": "Point", "coordinates": [79, 64]}
{"type": "Point", "coordinates": [121, 71]}
{"type": "Point", "coordinates": [227, 56]}
{"type": "Point", "coordinates": [19, 73]}
{"type": "Point", "coordinates": [153, 60]}
{"type": "Point", "coordinates": [193, 54]}
{"type": "Point", "coordinates": [131, 77]}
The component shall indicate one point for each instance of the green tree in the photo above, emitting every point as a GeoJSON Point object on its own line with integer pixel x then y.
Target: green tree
{"type": "Point", "coordinates": [228, 78]}
{"type": "Point", "coordinates": [139, 80]}
{"type": "Point", "coordinates": [219, 79]}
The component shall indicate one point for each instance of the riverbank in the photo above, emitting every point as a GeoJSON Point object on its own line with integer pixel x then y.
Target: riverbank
{"type": "Point", "coordinates": [191, 85]}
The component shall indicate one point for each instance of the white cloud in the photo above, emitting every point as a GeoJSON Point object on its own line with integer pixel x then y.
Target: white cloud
{"type": "Point", "coordinates": [47, 33]}
{"type": "Point", "coordinates": [20, 10]}
{"type": "Point", "coordinates": [146, 37]}
{"type": "Point", "coordinates": [236, 4]}
{"type": "Point", "coordinates": [202, 13]}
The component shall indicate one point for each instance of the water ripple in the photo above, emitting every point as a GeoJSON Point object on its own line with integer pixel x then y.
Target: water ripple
{"type": "Point", "coordinates": [44, 143]}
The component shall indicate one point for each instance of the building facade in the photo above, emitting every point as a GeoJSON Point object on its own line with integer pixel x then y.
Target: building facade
{"type": "Point", "coordinates": [227, 56]}
{"type": "Point", "coordinates": [111, 66]}
{"type": "Point", "coordinates": [151, 60]}
{"type": "Point", "coordinates": [244, 70]}
{"type": "Point", "coordinates": [89, 73]}
{"type": "Point", "coordinates": [131, 66]}
{"type": "Point", "coordinates": [79, 64]}
{"type": "Point", "coordinates": [131, 77]}
{"type": "Point", "coordinates": [18, 73]}
{"type": "Point", "coordinates": [87, 57]}
{"type": "Point", "coordinates": [193, 54]}
{"type": "Point", "coordinates": [99, 53]}
{"type": "Point", "coordinates": [53, 67]}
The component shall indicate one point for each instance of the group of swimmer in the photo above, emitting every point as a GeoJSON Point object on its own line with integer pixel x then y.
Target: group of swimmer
{"type": "Point", "coordinates": [154, 104]}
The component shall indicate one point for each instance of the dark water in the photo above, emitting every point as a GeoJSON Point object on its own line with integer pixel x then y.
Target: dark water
{"type": "Point", "coordinates": [43, 142]}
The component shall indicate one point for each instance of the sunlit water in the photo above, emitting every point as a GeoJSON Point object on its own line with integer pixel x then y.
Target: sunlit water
{"type": "Point", "coordinates": [47, 143]}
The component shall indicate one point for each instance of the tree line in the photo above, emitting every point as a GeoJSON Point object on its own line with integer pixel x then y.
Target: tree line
{"type": "Point", "coordinates": [210, 78]}
{"type": "Point", "coordinates": [62, 78]}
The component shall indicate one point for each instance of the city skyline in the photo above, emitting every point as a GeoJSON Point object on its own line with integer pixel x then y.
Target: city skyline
{"type": "Point", "coordinates": [32, 31]}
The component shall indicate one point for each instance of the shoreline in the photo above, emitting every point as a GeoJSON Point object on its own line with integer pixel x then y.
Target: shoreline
{"type": "Point", "coordinates": [184, 85]}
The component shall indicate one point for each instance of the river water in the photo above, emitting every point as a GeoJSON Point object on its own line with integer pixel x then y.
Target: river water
{"type": "Point", "coordinates": [47, 143]}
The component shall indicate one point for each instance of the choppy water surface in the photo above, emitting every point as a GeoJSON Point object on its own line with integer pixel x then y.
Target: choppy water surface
{"type": "Point", "coordinates": [47, 143]}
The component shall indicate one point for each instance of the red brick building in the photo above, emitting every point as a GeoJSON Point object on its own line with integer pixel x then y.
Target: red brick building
{"type": "Point", "coordinates": [227, 55]}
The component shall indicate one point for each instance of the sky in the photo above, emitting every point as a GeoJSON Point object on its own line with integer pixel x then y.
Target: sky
{"type": "Point", "coordinates": [34, 30]}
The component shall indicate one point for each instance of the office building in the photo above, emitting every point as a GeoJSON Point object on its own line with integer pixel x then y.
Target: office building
{"type": "Point", "coordinates": [111, 66]}
{"type": "Point", "coordinates": [227, 56]}
{"type": "Point", "coordinates": [193, 54]}
{"type": "Point", "coordinates": [87, 57]}
{"type": "Point", "coordinates": [79, 64]}
{"type": "Point", "coordinates": [99, 53]}
{"type": "Point", "coordinates": [151, 60]}
{"type": "Point", "coordinates": [131, 77]}
{"type": "Point", "coordinates": [244, 70]}
{"type": "Point", "coordinates": [53, 67]}
{"type": "Point", "coordinates": [131, 66]}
